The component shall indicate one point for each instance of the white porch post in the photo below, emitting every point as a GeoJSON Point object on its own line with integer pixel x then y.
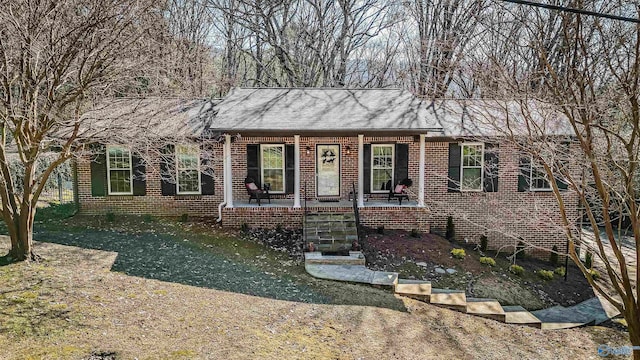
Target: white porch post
{"type": "Point", "coordinates": [421, 172]}
{"type": "Point", "coordinates": [296, 177]}
{"type": "Point", "coordinates": [228, 178]}
{"type": "Point", "coordinates": [360, 170]}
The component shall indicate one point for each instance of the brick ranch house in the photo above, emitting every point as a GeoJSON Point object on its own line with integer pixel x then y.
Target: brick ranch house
{"type": "Point", "coordinates": [314, 147]}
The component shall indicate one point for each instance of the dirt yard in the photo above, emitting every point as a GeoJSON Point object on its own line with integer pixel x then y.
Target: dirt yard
{"type": "Point", "coordinates": [116, 297]}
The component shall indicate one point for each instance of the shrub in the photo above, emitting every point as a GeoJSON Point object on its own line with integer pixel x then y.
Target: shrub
{"type": "Point", "coordinates": [545, 274]}
{"type": "Point", "coordinates": [516, 269]}
{"type": "Point", "coordinates": [451, 230]}
{"type": "Point", "coordinates": [588, 260]}
{"type": "Point", "coordinates": [520, 250]}
{"type": "Point", "coordinates": [560, 271]}
{"type": "Point", "coordinates": [147, 218]}
{"type": "Point", "coordinates": [244, 227]}
{"type": "Point", "coordinates": [380, 230]}
{"type": "Point", "coordinates": [594, 274]}
{"type": "Point", "coordinates": [184, 217]}
{"type": "Point", "coordinates": [111, 217]}
{"type": "Point", "coordinates": [553, 257]}
{"type": "Point", "coordinates": [279, 228]}
{"type": "Point", "coordinates": [458, 253]}
{"type": "Point", "coordinates": [487, 261]}
{"type": "Point", "coordinates": [484, 242]}
{"type": "Point", "coordinates": [415, 233]}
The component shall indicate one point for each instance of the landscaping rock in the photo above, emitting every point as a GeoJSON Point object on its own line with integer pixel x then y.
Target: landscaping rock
{"type": "Point", "coordinates": [440, 270]}
{"type": "Point", "coordinates": [451, 271]}
{"type": "Point", "coordinates": [422, 263]}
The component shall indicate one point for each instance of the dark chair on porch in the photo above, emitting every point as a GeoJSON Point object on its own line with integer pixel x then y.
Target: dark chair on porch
{"type": "Point", "coordinates": [255, 192]}
{"type": "Point", "coordinates": [399, 191]}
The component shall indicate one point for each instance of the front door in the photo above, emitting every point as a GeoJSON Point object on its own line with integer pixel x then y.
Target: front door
{"type": "Point", "coordinates": [327, 170]}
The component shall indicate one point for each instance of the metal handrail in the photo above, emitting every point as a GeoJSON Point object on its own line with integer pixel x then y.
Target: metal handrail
{"type": "Point", "coordinates": [356, 212]}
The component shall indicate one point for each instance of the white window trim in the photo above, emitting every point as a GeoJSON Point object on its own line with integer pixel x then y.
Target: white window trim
{"type": "Point", "coordinates": [393, 168]}
{"type": "Point", "coordinates": [284, 165]}
{"type": "Point", "coordinates": [531, 188]}
{"type": "Point", "coordinates": [109, 171]}
{"type": "Point", "coordinates": [462, 167]}
{"type": "Point", "coordinates": [178, 192]}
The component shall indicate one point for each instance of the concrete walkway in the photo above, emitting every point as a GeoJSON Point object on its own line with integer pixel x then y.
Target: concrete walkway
{"type": "Point", "coordinates": [345, 268]}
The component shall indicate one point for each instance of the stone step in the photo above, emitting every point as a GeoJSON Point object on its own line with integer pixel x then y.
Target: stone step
{"type": "Point", "coordinates": [415, 289]}
{"type": "Point", "coordinates": [559, 317]}
{"type": "Point", "coordinates": [455, 299]}
{"type": "Point", "coordinates": [384, 278]}
{"type": "Point", "coordinates": [489, 308]}
{"type": "Point", "coordinates": [520, 316]}
{"type": "Point", "coordinates": [354, 258]}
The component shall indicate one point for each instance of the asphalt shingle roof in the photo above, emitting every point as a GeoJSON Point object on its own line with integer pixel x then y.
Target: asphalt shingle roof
{"type": "Point", "coordinates": [322, 109]}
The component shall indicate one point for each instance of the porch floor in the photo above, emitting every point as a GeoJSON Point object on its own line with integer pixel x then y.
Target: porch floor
{"type": "Point", "coordinates": [288, 203]}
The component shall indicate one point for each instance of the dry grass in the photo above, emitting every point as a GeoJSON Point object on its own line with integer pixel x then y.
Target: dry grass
{"type": "Point", "coordinates": [73, 305]}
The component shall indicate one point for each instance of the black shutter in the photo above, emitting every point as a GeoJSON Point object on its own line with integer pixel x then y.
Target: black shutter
{"type": "Point", "coordinates": [289, 168]}
{"type": "Point", "coordinates": [207, 183]}
{"type": "Point", "coordinates": [168, 170]}
{"type": "Point", "coordinates": [524, 175]}
{"type": "Point", "coordinates": [253, 163]}
{"type": "Point", "coordinates": [367, 169]}
{"type": "Point", "coordinates": [98, 171]}
{"type": "Point", "coordinates": [401, 170]}
{"type": "Point", "coordinates": [490, 168]}
{"type": "Point", "coordinates": [562, 186]}
{"type": "Point", "coordinates": [139, 175]}
{"type": "Point", "coordinates": [454, 167]}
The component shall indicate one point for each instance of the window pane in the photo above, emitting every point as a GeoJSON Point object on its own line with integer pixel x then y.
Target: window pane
{"type": "Point", "coordinates": [471, 179]}
{"type": "Point", "coordinates": [274, 178]}
{"type": "Point", "coordinates": [118, 158]}
{"type": "Point", "coordinates": [380, 179]}
{"type": "Point", "coordinates": [120, 181]}
{"type": "Point", "coordinates": [188, 181]}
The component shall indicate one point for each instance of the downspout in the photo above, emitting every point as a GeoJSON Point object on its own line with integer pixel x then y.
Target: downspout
{"type": "Point", "coordinates": [224, 174]}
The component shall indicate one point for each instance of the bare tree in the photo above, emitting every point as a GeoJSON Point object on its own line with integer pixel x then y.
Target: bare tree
{"type": "Point", "coordinates": [586, 74]}
{"type": "Point", "coordinates": [441, 33]}
{"type": "Point", "coordinates": [55, 56]}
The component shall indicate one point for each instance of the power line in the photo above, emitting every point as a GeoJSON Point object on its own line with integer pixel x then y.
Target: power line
{"type": "Point", "coordinates": [575, 10]}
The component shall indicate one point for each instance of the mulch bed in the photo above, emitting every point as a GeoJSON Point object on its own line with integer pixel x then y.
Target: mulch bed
{"type": "Point", "coordinates": [397, 250]}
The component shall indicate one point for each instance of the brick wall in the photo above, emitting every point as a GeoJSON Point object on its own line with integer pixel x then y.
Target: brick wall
{"type": "Point", "coordinates": [271, 217]}
{"type": "Point", "coordinates": [532, 216]}
{"type": "Point", "coordinates": [154, 203]}
{"type": "Point", "coordinates": [502, 215]}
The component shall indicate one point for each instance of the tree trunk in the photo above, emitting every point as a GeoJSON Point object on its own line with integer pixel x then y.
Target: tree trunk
{"type": "Point", "coordinates": [633, 325]}
{"type": "Point", "coordinates": [22, 237]}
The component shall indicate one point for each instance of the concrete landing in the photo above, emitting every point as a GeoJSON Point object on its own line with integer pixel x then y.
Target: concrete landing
{"type": "Point", "coordinates": [589, 312]}
{"type": "Point", "coordinates": [352, 273]}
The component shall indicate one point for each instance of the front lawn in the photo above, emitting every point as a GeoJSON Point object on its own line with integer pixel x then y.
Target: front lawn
{"type": "Point", "coordinates": [139, 287]}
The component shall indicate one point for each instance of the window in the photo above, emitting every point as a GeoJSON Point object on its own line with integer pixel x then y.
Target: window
{"type": "Point", "coordinates": [273, 167]}
{"type": "Point", "coordinates": [381, 167]}
{"type": "Point", "coordinates": [120, 181]}
{"type": "Point", "coordinates": [188, 168]}
{"type": "Point", "coordinates": [471, 172]}
{"type": "Point", "coordinates": [539, 181]}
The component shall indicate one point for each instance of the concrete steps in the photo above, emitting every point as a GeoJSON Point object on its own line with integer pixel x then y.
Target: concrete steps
{"type": "Point", "coordinates": [521, 316]}
{"type": "Point", "coordinates": [352, 268]}
{"type": "Point", "coordinates": [488, 308]}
